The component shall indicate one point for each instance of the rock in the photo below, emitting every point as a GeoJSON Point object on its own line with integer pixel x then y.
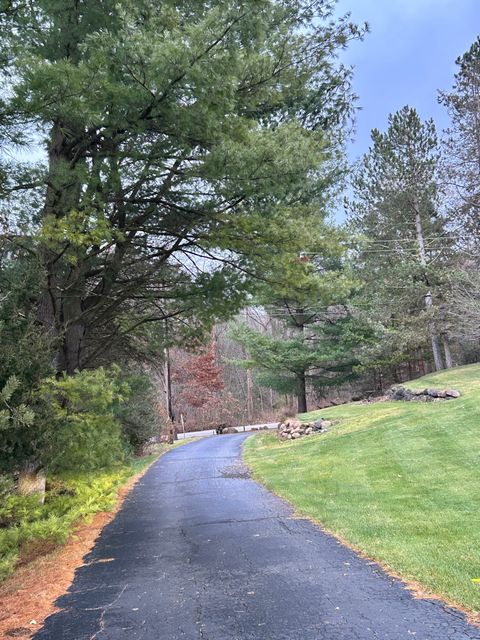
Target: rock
{"type": "Point", "coordinates": [230, 430]}
{"type": "Point", "coordinates": [327, 423]}
{"type": "Point", "coordinates": [452, 393]}
{"type": "Point", "coordinates": [399, 393]}
{"type": "Point", "coordinates": [296, 434]}
{"type": "Point", "coordinates": [420, 395]}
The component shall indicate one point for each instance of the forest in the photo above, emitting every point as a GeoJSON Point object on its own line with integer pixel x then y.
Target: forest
{"type": "Point", "coordinates": [172, 179]}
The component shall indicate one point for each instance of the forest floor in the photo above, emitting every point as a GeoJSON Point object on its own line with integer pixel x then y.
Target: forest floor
{"type": "Point", "coordinates": [398, 481]}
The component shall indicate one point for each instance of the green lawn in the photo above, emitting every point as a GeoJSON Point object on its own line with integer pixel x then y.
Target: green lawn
{"type": "Point", "coordinates": [399, 481]}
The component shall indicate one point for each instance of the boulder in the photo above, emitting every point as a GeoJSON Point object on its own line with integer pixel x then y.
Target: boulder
{"type": "Point", "coordinates": [230, 430]}
{"type": "Point", "coordinates": [452, 393]}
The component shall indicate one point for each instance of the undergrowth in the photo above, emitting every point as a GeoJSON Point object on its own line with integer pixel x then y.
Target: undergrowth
{"type": "Point", "coordinates": [27, 526]}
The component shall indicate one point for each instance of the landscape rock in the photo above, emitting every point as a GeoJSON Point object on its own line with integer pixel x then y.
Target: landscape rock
{"type": "Point", "coordinates": [230, 430]}
{"type": "Point", "coordinates": [420, 395]}
{"type": "Point", "coordinates": [292, 429]}
{"type": "Point", "coordinates": [452, 393]}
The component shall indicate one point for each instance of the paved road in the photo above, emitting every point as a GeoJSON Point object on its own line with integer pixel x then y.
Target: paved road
{"type": "Point", "coordinates": [201, 552]}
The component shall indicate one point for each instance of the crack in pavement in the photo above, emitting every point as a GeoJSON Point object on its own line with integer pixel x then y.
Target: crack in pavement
{"type": "Point", "coordinates": [104, 609]}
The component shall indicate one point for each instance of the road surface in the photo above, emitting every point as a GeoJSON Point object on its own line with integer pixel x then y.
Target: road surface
{"type": "Point", "coordinates": [201, 552]}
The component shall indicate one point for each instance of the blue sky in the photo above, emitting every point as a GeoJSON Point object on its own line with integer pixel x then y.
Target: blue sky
{"type": "Point", "coordinates": [408, 55]}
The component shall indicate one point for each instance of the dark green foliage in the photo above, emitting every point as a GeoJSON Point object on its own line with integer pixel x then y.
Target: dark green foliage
{"type": "Point", "coordinates": [321, 356]}
{"type": "Point", "coordinates": [179, 134]}
{"type": "Point", "coordinates": [138, 415]}
{"type": "Point", "coordinates": [404, 245]}
{"type": "Point", "coordinates": [88, 434]}
{"type": "Point", "coordinates": [26, 358]}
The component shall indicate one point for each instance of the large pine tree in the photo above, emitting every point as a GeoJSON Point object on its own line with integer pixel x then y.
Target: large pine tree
{"type": "Point", "coordinates": [404, 239]}
{"type": "Point", "coordinates": [178, 137]}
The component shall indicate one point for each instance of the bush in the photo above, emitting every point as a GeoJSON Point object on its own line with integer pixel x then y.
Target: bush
{"type": "Point", "coordinates": [26, 524]}
{"type": "Point", "coordinates": [138, 415]}
{"type": "Point", "coordinates": [87, 436]}
{"type": "Point", "coordinates": [6, 487]}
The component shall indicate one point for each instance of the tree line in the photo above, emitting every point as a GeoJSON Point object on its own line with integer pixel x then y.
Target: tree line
{"type": "Point", "coordinates": [397, 294]}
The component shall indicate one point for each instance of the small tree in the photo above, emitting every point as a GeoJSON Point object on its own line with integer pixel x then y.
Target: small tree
{"type": "Point", "coordinates": [201, 378]}
{"type": "Point", "coordinates": [139, 415]}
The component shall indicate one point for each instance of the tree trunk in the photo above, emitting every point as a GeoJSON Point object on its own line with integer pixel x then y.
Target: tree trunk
{"type": "Point", "coordinates": [168, 386]}
{"type": "Point", "coordinates": [249, 395]}
{"type": "Point", "coordinates": [435, 340]}
{"type": "Point", "coordinates": [60, 306]}
{"type": "Point", "coordinates": [31, 481]}
{"type": "Point", "coordinates": [72, 326]}
{"type": "Point", "coordinates": [421, 362]}
{"type": "Point", "coordinates": [302, 394]}
{"type": "Point", "coordinates": [437, 353]}
{"type": "Point", "coordinates": [448, 354]}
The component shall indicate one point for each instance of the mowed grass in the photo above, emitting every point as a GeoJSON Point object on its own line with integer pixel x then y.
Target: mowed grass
{"type": "Point", "coordinates": [399, 481]}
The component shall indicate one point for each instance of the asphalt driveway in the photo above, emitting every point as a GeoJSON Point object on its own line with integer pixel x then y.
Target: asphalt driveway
{"type": "Point", "coordinates": [200, 551]}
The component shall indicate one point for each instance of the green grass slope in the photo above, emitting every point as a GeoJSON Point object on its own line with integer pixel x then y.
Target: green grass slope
{"type": "Point", "coordinates": [398, 480]}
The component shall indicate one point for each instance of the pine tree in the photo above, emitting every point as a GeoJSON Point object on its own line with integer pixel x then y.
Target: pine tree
{"type": "Point", "coordinates": [305, 293]}
{"type": "Point", "coordinates": [461, 150]}
{"type": "Point", "coordinates": [404, 242]}
{"type": "Point", "coordinates": [177, 135]}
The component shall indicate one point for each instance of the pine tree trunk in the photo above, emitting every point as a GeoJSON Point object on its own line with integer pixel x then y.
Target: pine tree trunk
{"type": "Point", "coordinates": [60, 304]}
{"type": "Point", "coordinates": [302, 394]}
{"type": "Point", "coordinates": [435, 340]}
{"type": "Point", "coordinates": [437, 353]}
{"type": "Point", "coordinates": [448, 353]}
{"type": "Point", "coordinates": [31, 480]}
{"type": "Point", "coordinates": [421, 362]}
